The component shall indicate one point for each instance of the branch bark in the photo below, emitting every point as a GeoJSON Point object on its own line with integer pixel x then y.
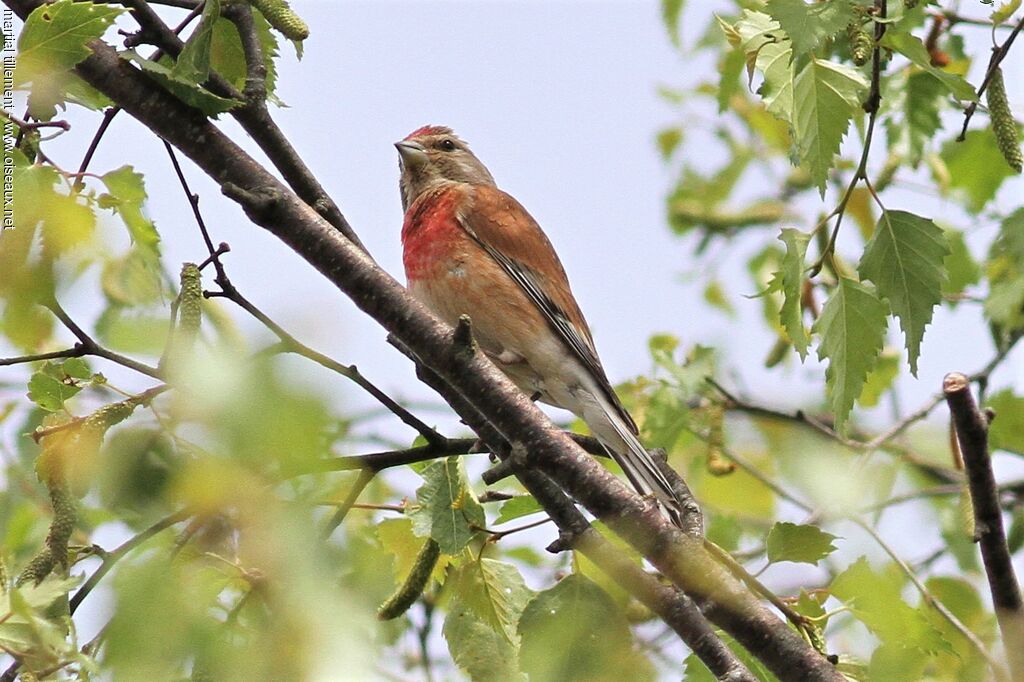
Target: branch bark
{"type": "Point", "coordinates": [275, 207]}
{"type": "Point", "coordinates": [972, 434]}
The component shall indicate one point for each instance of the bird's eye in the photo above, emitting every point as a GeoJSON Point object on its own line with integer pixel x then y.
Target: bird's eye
{"type": "Point", "coordinates": [448, 145]}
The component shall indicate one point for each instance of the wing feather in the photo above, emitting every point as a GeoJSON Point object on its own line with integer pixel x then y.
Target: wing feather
{"type": "Point", "coordinates": [510, 235]}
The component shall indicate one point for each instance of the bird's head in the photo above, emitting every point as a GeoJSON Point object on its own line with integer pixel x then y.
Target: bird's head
{"type": "Point", "coordinates": [434, 155]}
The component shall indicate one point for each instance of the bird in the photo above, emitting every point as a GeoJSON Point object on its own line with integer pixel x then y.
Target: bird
{"type": "Point", "coordinates": [469, 248]}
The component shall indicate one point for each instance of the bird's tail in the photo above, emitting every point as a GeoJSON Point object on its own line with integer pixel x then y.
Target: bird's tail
{"type": "Point", "coordinates": [620, 439]}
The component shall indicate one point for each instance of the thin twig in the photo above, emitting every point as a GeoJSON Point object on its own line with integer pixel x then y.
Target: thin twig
{"type": "Point", "coordinates": [288, 342]}
{"type": "Point", "coordinates": [365, 476]}
{"type": "Point", "coordinates": [92, 348]}
{"type": "Point", "coordinates": [113, 557]}
{"type": "Point", "coordinates": [76, 352]}
{"type": "Point", "coordinates": [871, 106]}
{"type": "Point", "coordinates": [998, 54]}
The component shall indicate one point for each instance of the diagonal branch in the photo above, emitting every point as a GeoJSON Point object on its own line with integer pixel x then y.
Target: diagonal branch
{"type": "Point", "coordinates": [273, 206]}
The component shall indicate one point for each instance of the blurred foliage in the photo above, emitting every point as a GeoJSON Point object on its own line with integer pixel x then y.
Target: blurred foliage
{"type": "Point", "coordinates": [200, 461]}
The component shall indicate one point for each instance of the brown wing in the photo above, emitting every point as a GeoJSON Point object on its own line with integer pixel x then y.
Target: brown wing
{"type": "Point", "coordinates": [516, 242]}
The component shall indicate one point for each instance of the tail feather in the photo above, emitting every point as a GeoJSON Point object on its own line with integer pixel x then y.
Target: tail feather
{"type": "Point", "coordinates": [643, 472]}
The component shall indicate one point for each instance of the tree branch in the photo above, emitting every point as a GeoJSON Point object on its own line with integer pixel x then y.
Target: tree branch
{"type": "Point", "coordinates": [255, 119]}
{"type": "Point", "coordinates": [272, 206]}
{"type": "Point", "coordinates": [972, 434]}
{"type": "Point", "coordinates": [575, 532]}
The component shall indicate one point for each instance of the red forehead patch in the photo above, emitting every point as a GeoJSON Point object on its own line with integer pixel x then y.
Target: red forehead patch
{"type": "Point", "coordinates": [429, 130]}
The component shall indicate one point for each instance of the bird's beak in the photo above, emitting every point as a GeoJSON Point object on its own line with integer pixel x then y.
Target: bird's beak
{"type": "Point", "coordinates": [412, 153]}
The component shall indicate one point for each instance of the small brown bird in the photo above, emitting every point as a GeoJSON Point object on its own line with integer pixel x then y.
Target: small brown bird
{"type": "Point", "coordinates": [471, 249]}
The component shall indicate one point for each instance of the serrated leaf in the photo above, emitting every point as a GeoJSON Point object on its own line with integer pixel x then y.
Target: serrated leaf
{"type": "Point", "coordinates": [789, 280]}
{"type": "Point", "coordinates": [517, 507]}
{"type": "Point", "coordinates": [798, 543]}
{"type": "Point", "coordinates": [875, 598]}
{"type": "Point", "coordinates": [1007, 430]}
{"type": "Point", "coordinates": [852, 328]}
{"type": "Point", "coordinates": [976, 167]}
{"type": "Point", "coordinates": [193, 63]}
{"type": "Point", "coordinates": [53, 40]}
{"type": "Point", "coordinates": [495, 592]}
{"type": "Point", "coordinates": [913, 49]}
{"type": "Point", "coordinates": [915, 98]}
{"type": "Point", "coordinates": [825, 95]}
{"type": "Point", "coordinates": [808, 26]}
{"type": "Point", "coordinates": [127, 194]}
{"type": "Point", "coordinates": [905, 261]}
{"type": "Point", "coordinates": [188, 92]}
{"type": "Point", "coordinates": [448, 511]}
{"type": "Point", "coordinates": [574, 631]}
{"type": "Point", "coordinates": [762, 42]}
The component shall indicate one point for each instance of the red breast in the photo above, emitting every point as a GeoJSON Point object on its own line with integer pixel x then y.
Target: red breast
{"type": "Point", "coordinates": [430, 231]}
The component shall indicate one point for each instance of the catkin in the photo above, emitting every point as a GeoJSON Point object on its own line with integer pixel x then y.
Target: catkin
{"type": "Point", "coordinates": [190, 312]}
{"type": "Point", "coordinates": [1003, 124]}
{"type": "Point", "coordinates": [283, 18]}
{"type": "Point", "coordinates": [414, 584]}
{"type": "Point", "coordinates": [860, 42]}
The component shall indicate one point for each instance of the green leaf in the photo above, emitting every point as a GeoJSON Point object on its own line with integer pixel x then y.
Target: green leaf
{"type": "Point", "coordinates": [875, 598]}
{"type": "Point", "coordinates": [494, 592]}
{"type": "Point", "coordinates": [127, 194]}
{"type": "Point", "coordinates": [131, 332]}
{"type": "Point", "coordinates": [518, 506]}
{"type": "Point", "coordinates": [789, 280]}
{"type": "Point", "coordinates": [133, 279]}
{"type": "Point", "coordinates": [668, 140]}
{"type": "Point", "coordinates": [476, 648]}
{"type": "Point", "coordinates": [193, 63]}
{"type": "Point", "coordinates": [961, 268]}
{"type": "Point", "coordinates": [574, 631]}
{"type": "Point", "coordinates": [1005, 11]}
{"type": "Point", "coordinates": [798, 543]}
{"type": "Point", "coordinates": [881, 377]}
{"type": "Point", "coordinates": [54, 39]}
{"type": "Point", "coordinates": [904, 258]}
{"type": "Point", "coordinates": [730, 67]}
{"type": "Point", "coordinates": [914, 50]}
{"type": "Point", "coordinates": [671, 12]}
{"type": "Point", "coordinates": [762, 42]}
{"type": "Point", "coordinates": [448, 511]}
{"type": "Point", "coordinates": [852, 328]}
{"type": "Point", "coordinates": [976, 167]}
{"type": "Point", "coordinates": [808, 26]}
{"type": "Point", "coordinates": [188, 92]}
{"type": "Point", "coordinates": [825, 95]}
{"type": "Point", "coordinates": [77, 368]}
{"type": "Point", "coordinates": [397, 538]}
{"type": "Point", "coordinates": [50, 393]}
{"type": "Point", "coordinates": [1007, 430]}
{"type": "Point", "coordinates": [915, 98]}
